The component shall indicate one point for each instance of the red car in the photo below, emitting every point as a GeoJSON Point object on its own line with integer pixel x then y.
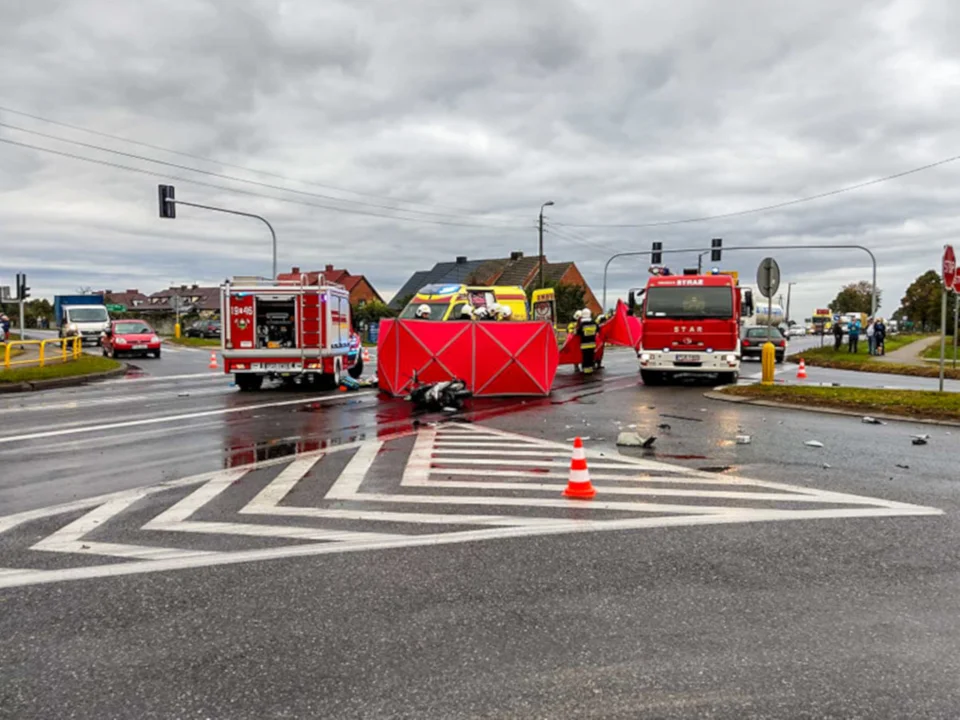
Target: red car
{"type": "Point", "coordinates": [133, 337]}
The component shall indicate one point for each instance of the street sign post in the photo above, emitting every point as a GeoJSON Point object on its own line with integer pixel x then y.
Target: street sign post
{"type": "Point", "coordinates": [956, 316]}
{"type": "Point", "coordinates": [116, 308]}
{"type": "Point", "coordinates": [949, 271]}
{"type": "Point", "coordinates": [768, 282]}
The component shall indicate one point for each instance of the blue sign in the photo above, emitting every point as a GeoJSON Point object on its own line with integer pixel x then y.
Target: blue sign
{"type": "Point", "coordinates": [373, 332]}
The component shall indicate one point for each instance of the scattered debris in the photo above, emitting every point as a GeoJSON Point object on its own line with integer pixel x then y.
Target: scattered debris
{"type": "Point", "coordinates": [183, 394]}
{"type": "Point", "coordinates": [867, 420]}
{"type": "Point", "coordinates": [633, 425]}
{"type": "Point", "coordinates": [814, 443]}
{"type": "Point", "coordinates": [919, 441]}
{"type": "Point", "coordinates": [744, 439]}
{"type": "Point", "coordinates": [827, 466]}
{"type": "Point", "coordinates": [924, 436]}
{"type": "Point", "coordinates": [681, 417]}
{"type": "Point", "coordinates": [703, 409]}
{"type": "Point", "coordinates": [903, 467]}
{"type": "Point", "coordinates": [661, 426]}
{"type": "Point", "coordinates": [632, 439]}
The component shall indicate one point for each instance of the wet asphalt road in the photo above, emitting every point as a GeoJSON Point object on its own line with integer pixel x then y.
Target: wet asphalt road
{"type": "Point", "coordinates": [843, 617]}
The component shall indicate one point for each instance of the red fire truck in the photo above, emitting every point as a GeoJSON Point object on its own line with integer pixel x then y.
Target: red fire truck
{"type": "Point", "coordinates": [691, 324]}
{"type": "Point", "coordinates": [294, 328]}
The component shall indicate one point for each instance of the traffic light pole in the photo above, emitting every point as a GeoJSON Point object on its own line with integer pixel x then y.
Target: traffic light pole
{"type": "Point", "coordinates": [873, 259]}
{"type": "Point", "coordinates": [262, 219]}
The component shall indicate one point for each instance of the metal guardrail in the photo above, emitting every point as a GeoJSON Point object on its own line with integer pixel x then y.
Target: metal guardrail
{"type": "Point", "coordinates": [69, 349]}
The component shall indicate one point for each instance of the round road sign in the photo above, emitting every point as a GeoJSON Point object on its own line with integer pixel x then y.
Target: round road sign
{"type": "Point", "coordinates": [949, 267]}
{"type": "Point", "coordinates": [768, 277]}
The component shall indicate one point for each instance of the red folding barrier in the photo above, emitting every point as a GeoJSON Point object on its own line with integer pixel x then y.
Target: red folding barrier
{"type": "Point", "coordinates": [493, 358]}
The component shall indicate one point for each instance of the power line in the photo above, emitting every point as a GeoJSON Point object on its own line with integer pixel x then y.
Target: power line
{"type": "Point", "coordinates": [245, 169]}
{"type": "Point", "coordinates": [291, 201]}
{"type": "Point", "coordinates": [570, 236]}
{"type": "Point", "coordinates": [210, 173]}
{"type": "Point", "coordinates": [775, 206]}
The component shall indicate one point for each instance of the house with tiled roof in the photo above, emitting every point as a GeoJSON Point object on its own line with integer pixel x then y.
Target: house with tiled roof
{"type": "Point", "coordinates": [187, 299]}
{"type": "Point", "coordinates": [517, 269]}
{"type": "Point", "coordinates": [361, 290]}
{"type": "Point", "coordinates": [130, 299]}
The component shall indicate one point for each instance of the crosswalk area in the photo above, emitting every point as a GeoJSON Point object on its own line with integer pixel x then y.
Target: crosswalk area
{"type": "Point", "coordinates": [444, 484]}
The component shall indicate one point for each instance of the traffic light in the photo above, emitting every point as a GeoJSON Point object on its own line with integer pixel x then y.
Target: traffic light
{"type": "Point", "coordinates": [656, 256]}
{"type": "Point", "coordinates": [716, 244]}
{"type": "Point", "coordinates": [23, 292]}
{"type": "Point", "coordinates": [167, 209]}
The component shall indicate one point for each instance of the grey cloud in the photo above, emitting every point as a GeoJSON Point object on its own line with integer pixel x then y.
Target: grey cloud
{"type": "Point", "coordinates": [637, 112]}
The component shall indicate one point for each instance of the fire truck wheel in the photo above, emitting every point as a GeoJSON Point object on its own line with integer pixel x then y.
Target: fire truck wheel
{"type": "Point", "coordinates": [248, 382]}
{"type": "Point", "coordinates": [357, 370]}
{"type": "Point", "coordinates": [729, 378]}
{"type": "Point", "coordinates": [650, 377]}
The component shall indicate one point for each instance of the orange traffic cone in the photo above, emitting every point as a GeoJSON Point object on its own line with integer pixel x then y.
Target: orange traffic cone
{"type": "Point", "coordinates": [579, 486]}
{"type": "Point", "coordinates": [366, 355]}
{"type": "Point", "coordinates": [802, 371]}
{"type": "Point", "coordinates": [213, 361]}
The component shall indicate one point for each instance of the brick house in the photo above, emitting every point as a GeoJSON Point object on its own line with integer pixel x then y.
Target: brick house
{"type": "Point", "coordinates": [131, 299]}
{"type": "Point", "coordinates": [361, 290]}
{"type": "Point", "coordinates": [514, 270]}
{"type": "Point", "coordinates": [205, 301]}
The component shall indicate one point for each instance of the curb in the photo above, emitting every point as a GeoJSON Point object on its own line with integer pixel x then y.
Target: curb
{"type": "Point", "coordinates": [55, 383]}
{"type": "Point", "coordinates": [723, 397]}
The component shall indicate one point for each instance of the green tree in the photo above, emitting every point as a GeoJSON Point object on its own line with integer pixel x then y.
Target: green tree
{"type": "Point", "coordinates": [570, 298]}
{"type": "Point", "coordinates": [855, 298]}
{"type": "Point", "coordinates": [921, 303]}
{"type": "Point", "coordinates": [372, 312]}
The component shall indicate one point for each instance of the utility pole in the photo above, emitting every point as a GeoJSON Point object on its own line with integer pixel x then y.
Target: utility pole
{"type": "Point", "coordinates": [787, 309]}
{"type": "Point", "coordinates": [540, 259]}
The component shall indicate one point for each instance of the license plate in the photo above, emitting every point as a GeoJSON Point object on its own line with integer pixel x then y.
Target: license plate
{"type": "Point", "coordinates": [139, 347]}
{"type": "Point", "coordinates": [688, 358]}
{"type": "Point", "coordinates": [275, 367]}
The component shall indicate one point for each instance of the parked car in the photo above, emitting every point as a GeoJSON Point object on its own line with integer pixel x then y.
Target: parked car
{"type": "Point", "coordinates": [753, 338]}
{"type": "Point", "coordinates": [204, 329]}
{"type": "Point", "coordinates": [130, 337]}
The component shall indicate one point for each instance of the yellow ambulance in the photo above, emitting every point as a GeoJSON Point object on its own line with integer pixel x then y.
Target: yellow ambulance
{"type": "Point", "coordinates": [446, 301]}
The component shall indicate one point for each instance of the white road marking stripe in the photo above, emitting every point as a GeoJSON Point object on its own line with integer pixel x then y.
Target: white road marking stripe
{"type": "Point", "coordinates": [211, 375]}
{"type": "Point", "coordinates": [546, 502]}
{"type": "Point", "coordinates": [38, 577]}
{"type": "Point", "coordinates": [69, 539]}
{"type": "Point", "coordinates": [273, 531]}
{"type": "Point", "coordinates": [176, 418]}
{"type": "Point", "coordinates": [348, 484]}
{"type": "Point", "coordinates": [673, 492]}
{"type": "Point", "coordinates": [417, 470]}
{"type": "Point", "coordinates": [399, 517]}
{"type": "Point", "coordinates": [198, 498]}
{"type": "Point", "coordinates": [632, 478]}
{"type": "Point", "coordinates": [277, 490]}
{"type": "Point", "coordinates": [114, 400]}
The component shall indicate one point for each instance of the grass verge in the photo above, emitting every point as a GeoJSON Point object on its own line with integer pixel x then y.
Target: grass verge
{"type": "Point", "coordinates": [193, 342]}
{"type": "Point", "coordinates": [918, 404]}
{"type": "Point", "coordinates": [933, 352]}
{"type": "Point", "coordinates": [86, 365]}
{"type": "Point", "coordinates": [844, 360]}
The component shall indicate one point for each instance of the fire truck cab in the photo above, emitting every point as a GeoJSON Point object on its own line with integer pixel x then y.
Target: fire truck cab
{"type": "Point", "coordinates": [691, 324]}
{"type": "Point", "coordinates": [294, 329]}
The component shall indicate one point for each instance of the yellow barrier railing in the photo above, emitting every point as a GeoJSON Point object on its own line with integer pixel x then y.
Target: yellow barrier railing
{"type": "Point", "coordinates": [70, 348]}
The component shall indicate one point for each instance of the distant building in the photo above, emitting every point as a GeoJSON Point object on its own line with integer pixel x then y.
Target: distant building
{"type": "Point", "coordinates": [130, 299]}
{"type": "Point", "coordinates": [204, 301]}
{"type": "Point", "coordinates": [361, 290]}
{"type": "Point", "coordinates": [514, 270]}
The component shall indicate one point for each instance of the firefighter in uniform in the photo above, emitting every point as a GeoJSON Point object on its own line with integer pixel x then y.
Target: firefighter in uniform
{"type": "Point", "coordinates": [587, 331]}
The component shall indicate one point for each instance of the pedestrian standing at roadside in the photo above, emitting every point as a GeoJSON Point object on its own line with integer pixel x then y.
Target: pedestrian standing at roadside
{"type": "Point", "coordinates": [879, 336]}
{"type": "Point", "coordinates": [837, 336]}
{"type": "Point", "coordinates": [871, 337]}
{"type": "Point", "coordinates": [4, 328]}
{"type": "Point", "coordinates": [853, 333]}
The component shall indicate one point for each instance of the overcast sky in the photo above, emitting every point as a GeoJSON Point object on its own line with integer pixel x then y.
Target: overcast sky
{"type": "Point", "coordinates": [621, 113]}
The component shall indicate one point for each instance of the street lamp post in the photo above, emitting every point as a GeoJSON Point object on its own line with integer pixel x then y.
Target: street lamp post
{"type": "Point", "coordinates": [786, 312]}
{"type": "Point", "coordinates": [540, 259]}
